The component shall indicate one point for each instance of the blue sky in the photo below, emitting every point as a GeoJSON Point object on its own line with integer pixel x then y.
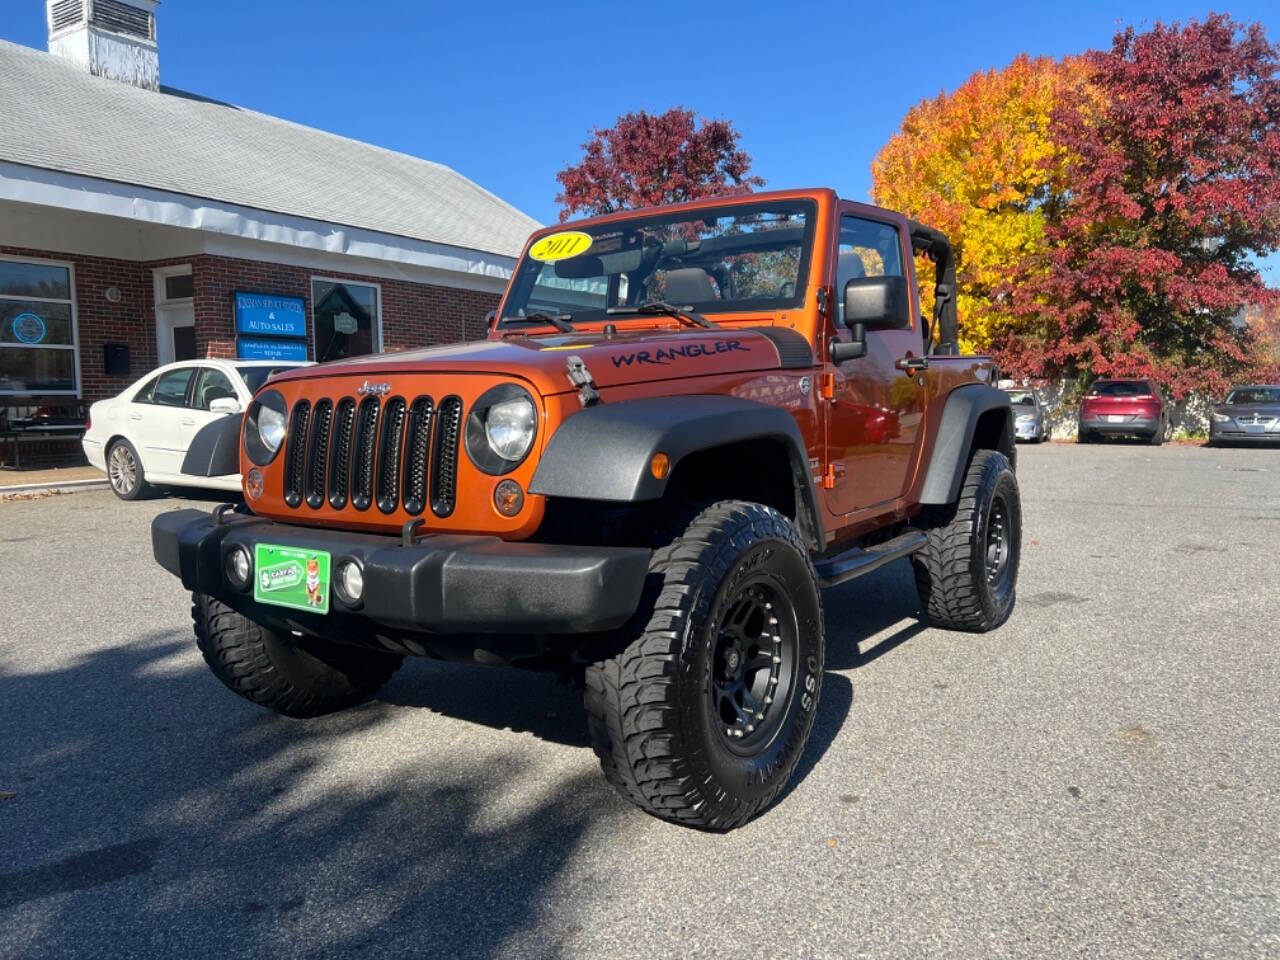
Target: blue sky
{"type": "Point", "coordinates": [505, 93]}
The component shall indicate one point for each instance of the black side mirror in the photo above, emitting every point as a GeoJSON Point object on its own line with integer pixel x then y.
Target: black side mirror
{"type": "Point", "coordinates": [878, 302]}
{"type": "Point", "coordinates": [854, 347]}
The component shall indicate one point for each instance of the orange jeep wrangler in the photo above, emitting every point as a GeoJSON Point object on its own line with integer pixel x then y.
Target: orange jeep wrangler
{"type": "Point", "coordinates": [684, 422]}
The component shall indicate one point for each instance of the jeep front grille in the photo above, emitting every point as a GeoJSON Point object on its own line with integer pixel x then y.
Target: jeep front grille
{"type": "Point", "coordinates": [392, 452]}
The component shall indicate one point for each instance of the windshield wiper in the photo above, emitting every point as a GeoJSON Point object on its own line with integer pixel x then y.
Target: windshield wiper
{"type": "Point", "coordinates": [558, 320]}
{"type": "Point", "coordinates": [660, 307]}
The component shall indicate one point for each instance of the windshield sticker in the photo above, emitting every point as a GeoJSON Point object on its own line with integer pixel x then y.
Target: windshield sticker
{"type": "Point", "coordinates": [664, 355]}
{"type": "Point", "coordinates": [560, 246]}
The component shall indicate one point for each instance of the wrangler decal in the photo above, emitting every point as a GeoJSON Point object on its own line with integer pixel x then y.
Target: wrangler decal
{"type": "Point", "coordinates": [664, 355]}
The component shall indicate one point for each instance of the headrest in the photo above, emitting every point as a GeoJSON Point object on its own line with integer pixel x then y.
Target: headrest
{"type": "Point", "coordinates": [850, 265]}
{"type": "Point", "coordinates": [689, 285]}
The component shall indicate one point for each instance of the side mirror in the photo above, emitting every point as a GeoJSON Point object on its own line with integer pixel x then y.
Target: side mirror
{"type": "Point", "coordinates": [854, 347]}
{"type": "Point", "coordinates": [878, 302]}
{"type": "Point", "coordinates": [224, 405]}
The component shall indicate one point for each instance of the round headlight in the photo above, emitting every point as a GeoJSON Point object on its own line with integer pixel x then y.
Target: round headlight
{"type": "Point", "coordinates": [510, 426]}
{"type": "Point", "coordinates": [264, 427]}
{"type": "Point", "coordinates": [501, 428]}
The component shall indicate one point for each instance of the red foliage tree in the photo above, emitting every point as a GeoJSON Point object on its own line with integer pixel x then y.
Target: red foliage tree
{"type": "Point", "coordinates": [1173, 183]}
{"type": "Point", "coordinates": [648, 159]}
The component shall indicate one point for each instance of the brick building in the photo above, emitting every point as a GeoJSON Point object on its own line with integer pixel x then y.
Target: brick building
{"type": "Point", "coordinates": [135, 218]}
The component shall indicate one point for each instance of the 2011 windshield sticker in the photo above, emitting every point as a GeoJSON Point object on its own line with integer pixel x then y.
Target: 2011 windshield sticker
{"type": "Point", "coordinates": [560, 246]}
{"type": "Point", "coordinates": [664, 355]}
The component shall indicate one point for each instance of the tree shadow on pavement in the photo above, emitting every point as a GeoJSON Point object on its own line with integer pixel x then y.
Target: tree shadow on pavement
{"type": "Point", "coordinates": [156, 814]}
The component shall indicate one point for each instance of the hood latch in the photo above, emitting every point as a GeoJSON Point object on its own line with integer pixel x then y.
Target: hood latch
{"type": "Point", "coordinates": [580, 377]}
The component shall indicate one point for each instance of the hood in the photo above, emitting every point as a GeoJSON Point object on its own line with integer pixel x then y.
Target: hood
{"type": "Point", "coordinates": [624, 358]}
{"type": "Point", "coordinates": [1247, 409]}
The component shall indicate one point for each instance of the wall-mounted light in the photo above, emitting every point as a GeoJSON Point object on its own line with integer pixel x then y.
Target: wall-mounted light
{"type": "Point", "coordinates": [113, 294]}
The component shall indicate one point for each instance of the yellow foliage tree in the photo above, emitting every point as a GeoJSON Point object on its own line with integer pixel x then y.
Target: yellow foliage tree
{"type": "Point", "coordinates": [980, 165]}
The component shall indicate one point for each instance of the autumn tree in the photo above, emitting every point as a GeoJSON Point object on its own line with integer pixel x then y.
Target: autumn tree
{"type": "Point", "coordinates": [1174, 184]}
{"type": "Point", "coordinates": [981, 165]}
{"type": "Point", "coordinates": [649, 159]}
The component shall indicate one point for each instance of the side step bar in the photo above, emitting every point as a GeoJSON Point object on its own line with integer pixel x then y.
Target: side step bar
{"type": "Point", "coordinates": [860, 560]}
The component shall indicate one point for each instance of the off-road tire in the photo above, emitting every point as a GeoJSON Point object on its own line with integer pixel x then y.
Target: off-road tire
{"type": "Point", "coordinates": [130, 466]}
{"type": "Point", "coordinates": [952, 574]}
{"type": "Point", "coordinates": [298, 679]}
{"type": "Point", "coordinates": [652, 709]}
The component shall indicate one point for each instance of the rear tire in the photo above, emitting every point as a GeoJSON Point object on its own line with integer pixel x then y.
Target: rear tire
{"type": "Point", "coordinates": [283, 675]}
{"type": "Point", "coordinates": [1157, 438]}
{"type": "Point", "coordinates": [124, 472]}
{"type": "Point", "coordinates": [703, 717]}
{"type": "Point", "coordinates": [967, 573]}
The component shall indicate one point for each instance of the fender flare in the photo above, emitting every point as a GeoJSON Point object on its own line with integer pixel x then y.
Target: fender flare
{"type": "Point", "coordinates": [215, 449]}
{"type": "Point", "coordinates": [965, 406]}
{"type": "Point", "coordinates": [603, 452]}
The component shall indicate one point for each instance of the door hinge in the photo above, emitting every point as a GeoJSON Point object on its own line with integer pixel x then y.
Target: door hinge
{"type": "Point", "coordinates": [829, 477]}
{"type": "Point", "coordinates": [827, 386]}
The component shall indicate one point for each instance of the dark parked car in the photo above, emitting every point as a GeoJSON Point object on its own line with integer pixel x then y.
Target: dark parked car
{"type": "Point", "coordinates": [1248, 415]}
{"type": "Point", "coordinates": [1133, 408]}
{"type": "Point", "coordinates": [1028, 416]}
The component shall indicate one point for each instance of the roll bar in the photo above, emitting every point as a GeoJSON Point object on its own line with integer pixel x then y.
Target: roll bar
{"type": "Point", "coordinates": [934, 244]}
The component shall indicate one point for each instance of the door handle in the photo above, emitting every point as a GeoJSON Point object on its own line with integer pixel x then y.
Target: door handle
{"type": "Point", "coordinates": [188, 422]}
{"type": "Point", "coordinates": [912, 365]}
{"type": "Point", "coordinates": [135, 416]}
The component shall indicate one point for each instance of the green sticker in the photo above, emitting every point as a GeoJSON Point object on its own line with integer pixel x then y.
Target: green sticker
{"type": "Point", "coordinates": [289, 577]}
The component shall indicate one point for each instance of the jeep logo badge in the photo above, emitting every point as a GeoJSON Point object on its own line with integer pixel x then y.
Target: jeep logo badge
{"type": "Point", "coordinates": [368, 389]}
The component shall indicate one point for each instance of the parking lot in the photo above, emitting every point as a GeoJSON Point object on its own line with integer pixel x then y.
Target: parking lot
{"type": "Point", "coordinates": [1100, 777]}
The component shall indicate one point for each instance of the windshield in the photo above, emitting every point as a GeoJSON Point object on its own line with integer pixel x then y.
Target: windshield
{"type": "Point", "coordinates": [1022, 398]}
{"type": "Point", "coordinates": [738, 257]}
{"type": "Point", "coordinates": [1120, 388]}
{"type": "Point", "coordinates": [255, 377]}
{"type": "Point", "coordinates": [1255, 395]}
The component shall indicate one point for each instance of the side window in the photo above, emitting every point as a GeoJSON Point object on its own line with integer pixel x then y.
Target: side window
{"type": "Point", "coordinates": [213, 385]}
{"type": "Point", "coordinates": [147, 393]}
{"type": "Point", "coordinates": [171, 388]}
{"type": "Point", "coordinates": [867, 249]}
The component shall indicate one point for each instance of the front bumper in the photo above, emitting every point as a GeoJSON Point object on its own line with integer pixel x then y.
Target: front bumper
{"type": "Point", "coordinates": [438, 585]}
{"type": "Point", "coordinates": [1233, 433]}
{"type": "Point", "coordinates": [1027, 430]}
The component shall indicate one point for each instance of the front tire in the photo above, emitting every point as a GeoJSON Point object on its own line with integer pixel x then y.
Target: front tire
{"type": "Point", "coordinates": [967, 573]}
{"type": "Point", "coordinates": [124, 472]}
{"type": "Point", "coordinates": [275, 672]}
{"type": "Point", "coordinates": [703, 717]}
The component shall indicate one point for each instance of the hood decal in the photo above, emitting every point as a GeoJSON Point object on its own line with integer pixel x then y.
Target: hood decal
{"type": "Point", "coordinates": [664, 355]}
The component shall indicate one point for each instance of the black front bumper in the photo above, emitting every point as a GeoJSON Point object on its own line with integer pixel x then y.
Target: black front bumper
{"type": "Point", "coordinates": [438, 585]}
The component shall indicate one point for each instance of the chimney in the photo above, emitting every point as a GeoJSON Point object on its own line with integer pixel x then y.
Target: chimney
{"type": "Point", "coordinates": [108, 38]}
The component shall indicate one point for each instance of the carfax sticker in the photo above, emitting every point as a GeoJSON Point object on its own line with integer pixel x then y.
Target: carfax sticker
{"type": "Point", "coordinates": [289, 577]}
{"type": "Point", "coordinates": [560, 246]}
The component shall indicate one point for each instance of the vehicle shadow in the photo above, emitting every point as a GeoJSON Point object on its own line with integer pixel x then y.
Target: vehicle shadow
{"type": "Point", "coordinates": [149, 811]}
{"type": "Point", "coordinates": [865, 608]}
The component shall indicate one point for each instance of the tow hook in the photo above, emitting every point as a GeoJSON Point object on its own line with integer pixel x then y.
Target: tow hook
{"type": "Point", "coordinates": [580, 377]}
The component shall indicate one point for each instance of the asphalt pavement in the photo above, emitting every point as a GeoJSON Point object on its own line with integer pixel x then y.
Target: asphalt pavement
{"type": "Point", "coordinates": [1099, 777]}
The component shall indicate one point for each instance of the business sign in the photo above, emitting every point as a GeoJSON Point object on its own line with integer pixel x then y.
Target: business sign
{"type": "Point", "coordinates": [267, 315]}
{"type": "Point", "coordinates": [260, 348]}
{"type": "Point", "coordinates": [29, 328]}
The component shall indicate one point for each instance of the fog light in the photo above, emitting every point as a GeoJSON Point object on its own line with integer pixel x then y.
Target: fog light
{"type": "Point", "coordinates": [253, 484]}
{"type": "Point", "coordinates": [239, 567]}
{"type": "Point", "coordinates": [350, 582]}
{"type": "Point", "coordinates": [508, 498]}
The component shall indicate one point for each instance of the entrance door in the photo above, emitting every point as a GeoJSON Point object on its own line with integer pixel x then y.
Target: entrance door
{"type": "Point", "coordinates": [175, 333]}
{"type": "Point", "coordinates": [875, 420]}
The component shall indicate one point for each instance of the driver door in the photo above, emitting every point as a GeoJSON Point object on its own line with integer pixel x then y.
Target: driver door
{"type": "Point", "coordinates": [877, 410]}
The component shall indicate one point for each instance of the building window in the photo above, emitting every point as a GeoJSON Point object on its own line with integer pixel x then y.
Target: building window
{"type": "Point", "coordinates": [346, 318]}
{"type": "Point", "coordinates": [38, 344]}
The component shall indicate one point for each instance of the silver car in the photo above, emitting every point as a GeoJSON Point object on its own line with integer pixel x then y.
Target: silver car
{"type": "Point", "coordinates": [1248, 415]}
{"type": "Point", "coordinates": [1028, 416]}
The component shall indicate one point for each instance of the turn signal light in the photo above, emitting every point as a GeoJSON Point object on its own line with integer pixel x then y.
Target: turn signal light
{"type": "Point", "coordinates": [508, 498]}
{"type": "Point", "coordinates": [660, 466]}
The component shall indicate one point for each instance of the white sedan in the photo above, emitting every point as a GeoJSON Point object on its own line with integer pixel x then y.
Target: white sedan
{"type": "Point", "coordinates": [142, 435]}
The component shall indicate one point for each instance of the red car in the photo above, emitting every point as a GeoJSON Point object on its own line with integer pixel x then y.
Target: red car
{"type": "Point", "coordinates": [1133, 408]}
